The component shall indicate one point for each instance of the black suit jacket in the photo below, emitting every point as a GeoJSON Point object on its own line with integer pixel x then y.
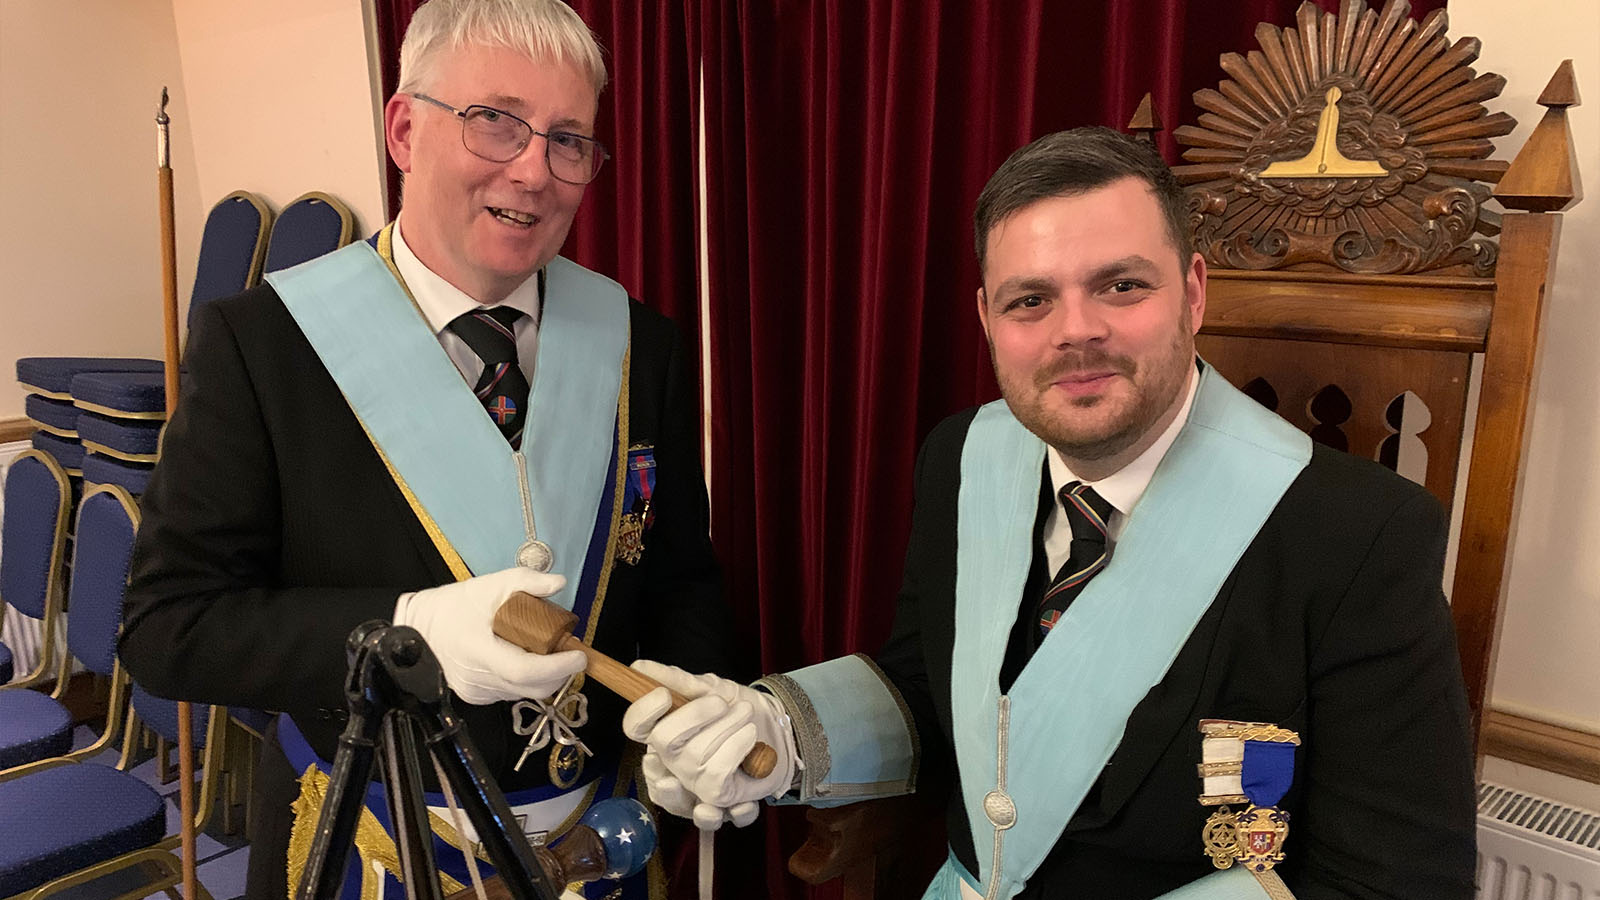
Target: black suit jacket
{"type": "Point", "coordinates": [271, 529]}
{"type": "Point", "coordinates": [1333, 624]}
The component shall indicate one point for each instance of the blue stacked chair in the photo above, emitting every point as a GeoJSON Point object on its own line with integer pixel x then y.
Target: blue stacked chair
{"type": "Point", "coordinates": [68, 822]}
{"type": "Point", "coordinates": [128, 396]}
{"type": "Point", "coordinates": [32, 547]}
{"type": "Point", "coordinates": [311, 225]}
{"type": "Point", "coordinates": [34, 726]}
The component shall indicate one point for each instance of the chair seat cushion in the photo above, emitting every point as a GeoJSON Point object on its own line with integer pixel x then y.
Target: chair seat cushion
{"type": "Point", "coordinates": [47, 412]}
{"type": "Point", "coordinates": [32, 726]}
{"type": "Point", "coordinates": [122, 437]}
{"type": "Point", "coordinates": [253, 720]}
{"type": "Point", "coordinates": [6, 663]}
{"type": "Point", "coordinates": [67, 451]}
{"type": "Point", "coordinates": [101, 469]}
{"type": "Point", "coordinates": [53, 374]}
{"type": "Point", "coordinates": [131, 393]}
{"type": "Point", "coordinates": [65, 818]}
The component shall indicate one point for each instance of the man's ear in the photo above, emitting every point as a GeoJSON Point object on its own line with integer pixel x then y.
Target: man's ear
{"type": "Point", "coordinates": [397, 130]}
{"type": "Point", "coordinates": [983, 310]}
{"type": "Point", "coordinates": [1195, 292]}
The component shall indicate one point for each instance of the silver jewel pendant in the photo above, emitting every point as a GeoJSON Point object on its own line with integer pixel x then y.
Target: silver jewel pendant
{"type": "Point", "coordinates": [536, 555]}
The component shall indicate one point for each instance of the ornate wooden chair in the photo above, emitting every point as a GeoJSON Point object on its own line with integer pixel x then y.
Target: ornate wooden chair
{"type": "Point", "coordinates": [1337, 186]}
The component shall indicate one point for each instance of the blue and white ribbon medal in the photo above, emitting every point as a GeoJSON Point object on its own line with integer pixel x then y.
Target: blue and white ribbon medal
{"type": "Point", "coordinates": [1250, 763]}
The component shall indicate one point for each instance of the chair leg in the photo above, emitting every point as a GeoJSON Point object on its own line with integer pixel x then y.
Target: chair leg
{"type": "Point", "coordinates": [164, 762]}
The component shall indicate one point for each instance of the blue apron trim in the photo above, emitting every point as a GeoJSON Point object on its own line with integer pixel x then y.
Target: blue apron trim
{"type": "Point", "coordinates": [359, 321]}
{"type": "Point", "coordinates": [1218, 483]}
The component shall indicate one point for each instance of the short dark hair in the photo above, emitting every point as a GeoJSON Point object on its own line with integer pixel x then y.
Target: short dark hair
{"type": "Point", "coordinates": [1074, 162]}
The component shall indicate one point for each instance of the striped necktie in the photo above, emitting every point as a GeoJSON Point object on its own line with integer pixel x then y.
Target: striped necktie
{"type": "Point", "coordinates": [501, 387]}
{"type": "Point", "coordinates": [1087, 513]}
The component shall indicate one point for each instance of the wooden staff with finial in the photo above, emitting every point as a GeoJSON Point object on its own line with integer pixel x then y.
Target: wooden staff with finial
{"type": "Point", "coordinates": [169, 318]}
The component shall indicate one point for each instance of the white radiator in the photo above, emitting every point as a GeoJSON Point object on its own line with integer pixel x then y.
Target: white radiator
{"type": "Point", "coordinates": [1531, 848]}
{"type": "Point", "coordinates": [17, 632]}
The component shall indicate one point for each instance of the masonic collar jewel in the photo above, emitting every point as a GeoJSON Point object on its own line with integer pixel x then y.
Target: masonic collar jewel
{"type": "Point", "coordinates": [638, 486]}
{"type": "Point", "coordinates": [1250, 764]}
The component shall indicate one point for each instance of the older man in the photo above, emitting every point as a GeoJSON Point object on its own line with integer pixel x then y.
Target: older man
{"type": "Point", "coordinates": [419, 425]}
{"type": "Point", "coordinates": [1151, 630]}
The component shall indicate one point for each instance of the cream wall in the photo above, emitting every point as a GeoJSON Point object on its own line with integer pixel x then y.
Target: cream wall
{"type": "Point", "coordinates": [80, 270]}
{"type": "Point", "coordinates": [274, 98]}
{"type": "Point", "coordinates": [282, 101]}
{"type": "Point", "coordinates": [1549, 662]}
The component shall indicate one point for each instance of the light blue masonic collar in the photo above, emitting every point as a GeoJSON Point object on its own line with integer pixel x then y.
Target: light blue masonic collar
{"type": "Point", "coordinates": [433, 432]}
{"type": "Point", "coordinates": [1217, 484]}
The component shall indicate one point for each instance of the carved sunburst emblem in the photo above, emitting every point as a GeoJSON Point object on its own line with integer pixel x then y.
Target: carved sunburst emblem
{"type": "Point", "coordinates": [1357, 141]}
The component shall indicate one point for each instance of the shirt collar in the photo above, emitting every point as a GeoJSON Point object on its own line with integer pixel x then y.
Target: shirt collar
{"type": "Point", "coordinates": [440, 301]}
{"type": "Point", "coordinates": [1123, 488]}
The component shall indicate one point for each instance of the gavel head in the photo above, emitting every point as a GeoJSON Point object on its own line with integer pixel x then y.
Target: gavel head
{"type": "Point", "coordinates": [533, 623]}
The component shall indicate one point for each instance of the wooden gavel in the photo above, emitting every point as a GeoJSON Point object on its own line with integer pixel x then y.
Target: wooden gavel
{"type": "Point", "coordinates": [539, 626]}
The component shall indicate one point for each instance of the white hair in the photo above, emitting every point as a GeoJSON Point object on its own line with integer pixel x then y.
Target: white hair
{"type": "Point", "coordinates": [543, 30]}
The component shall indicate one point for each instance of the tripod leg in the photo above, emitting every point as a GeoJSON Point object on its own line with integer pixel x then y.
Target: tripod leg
{"type": "Point", "coordinates": [330, 847]}
{"type": "Point", "coordinates": [402, 782]}
{"type": "Point", "coordinates": [486, 807]}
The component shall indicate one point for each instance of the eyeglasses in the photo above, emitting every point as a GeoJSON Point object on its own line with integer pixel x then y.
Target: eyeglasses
{"type": "Point", "coordinates": [498, 136]}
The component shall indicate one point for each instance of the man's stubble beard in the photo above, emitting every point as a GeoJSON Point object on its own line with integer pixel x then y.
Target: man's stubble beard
{"type": "Point", "coordinates": [1095, 442]}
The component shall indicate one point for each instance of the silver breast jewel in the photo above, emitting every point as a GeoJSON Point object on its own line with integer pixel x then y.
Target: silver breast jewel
{"type": "Point", "coordinates": [533, 554]}
{"type": "Point", "coordinates": [557, 718]}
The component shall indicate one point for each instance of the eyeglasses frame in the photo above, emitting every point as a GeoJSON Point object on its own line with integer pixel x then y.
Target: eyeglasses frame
{"type": "Point", "coordinates": [600, 149]}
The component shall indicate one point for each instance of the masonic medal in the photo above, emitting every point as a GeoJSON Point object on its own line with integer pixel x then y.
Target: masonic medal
{"type": "Point", "coordinates": [566, 765]}
{"type": "Point", "coordinates": [630, 538]}
{"type": "Point", "coordinates": [536, 555]}
{"type": "Point", "coordinates": [1250, 764]}
{"type": "Point", "coordinates": [637, 491]}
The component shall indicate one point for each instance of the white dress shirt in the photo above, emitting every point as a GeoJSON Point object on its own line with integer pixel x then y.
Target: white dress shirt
{"type": "Point", "coordinates": [1122, 489]}
{"type": "Point", "coordinates": [441, 301]}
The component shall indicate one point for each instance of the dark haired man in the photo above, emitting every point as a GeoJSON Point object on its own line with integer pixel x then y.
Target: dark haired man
{"type": "Point", "coordinates": [1151, 625]}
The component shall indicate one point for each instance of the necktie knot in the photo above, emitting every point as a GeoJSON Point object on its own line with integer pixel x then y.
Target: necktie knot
{"type": "Point", "coordinates": [490, 333]}
{"type": "Point", "coordinates": [1087, 511]}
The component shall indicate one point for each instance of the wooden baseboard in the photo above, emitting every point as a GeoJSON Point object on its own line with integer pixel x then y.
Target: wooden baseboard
{"type": "Point", "coordinates": [17, 429]}
{"type": "Point", "coordinates": [1565, 751]}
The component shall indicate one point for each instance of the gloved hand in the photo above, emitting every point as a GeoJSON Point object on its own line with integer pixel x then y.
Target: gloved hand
{"type": "Point", "coordinates": [457, 622]}
{"type": "Point", "coordinates": [692, 756]}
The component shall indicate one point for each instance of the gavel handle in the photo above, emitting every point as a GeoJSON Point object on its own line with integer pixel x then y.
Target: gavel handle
{"type": "Point", "coordinates": [630, 684]}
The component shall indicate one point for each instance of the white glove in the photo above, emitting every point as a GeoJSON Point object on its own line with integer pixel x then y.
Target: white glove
{"type": "Point", "coordinates": [692, 757]}
{"type": "Point", "coordinates": [457, 622]}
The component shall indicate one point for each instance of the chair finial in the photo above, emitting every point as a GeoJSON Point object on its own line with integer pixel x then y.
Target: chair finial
{"type": "Point", "coordinates": [1145, 123]}
{"type": "Point", "coordinates": [1544, 175]}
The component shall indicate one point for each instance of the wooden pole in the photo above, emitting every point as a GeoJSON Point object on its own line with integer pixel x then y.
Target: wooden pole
{"type": "Point", "coordinates": [169, 318]}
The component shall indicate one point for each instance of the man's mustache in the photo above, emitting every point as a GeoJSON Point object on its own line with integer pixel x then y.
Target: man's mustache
{"type": "Point", "coordinates": [1082, 361]}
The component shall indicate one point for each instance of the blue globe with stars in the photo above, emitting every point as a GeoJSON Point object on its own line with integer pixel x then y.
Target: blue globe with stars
{"type": "Point", "coordinates": [626, 830]}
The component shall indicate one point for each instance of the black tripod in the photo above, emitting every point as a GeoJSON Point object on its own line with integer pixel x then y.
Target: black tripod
{"type": "Point", "coordinates": [395, 687]}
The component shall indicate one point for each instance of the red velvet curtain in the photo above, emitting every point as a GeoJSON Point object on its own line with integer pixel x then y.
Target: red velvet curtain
{"type": "Point", "coordinates": [847, 141]}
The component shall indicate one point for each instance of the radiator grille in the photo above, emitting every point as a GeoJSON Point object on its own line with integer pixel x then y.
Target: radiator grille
{"type": "Point", "coordinates": [1567, 824]}
{"type": "Point", "coordinates": [1534, 848]}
